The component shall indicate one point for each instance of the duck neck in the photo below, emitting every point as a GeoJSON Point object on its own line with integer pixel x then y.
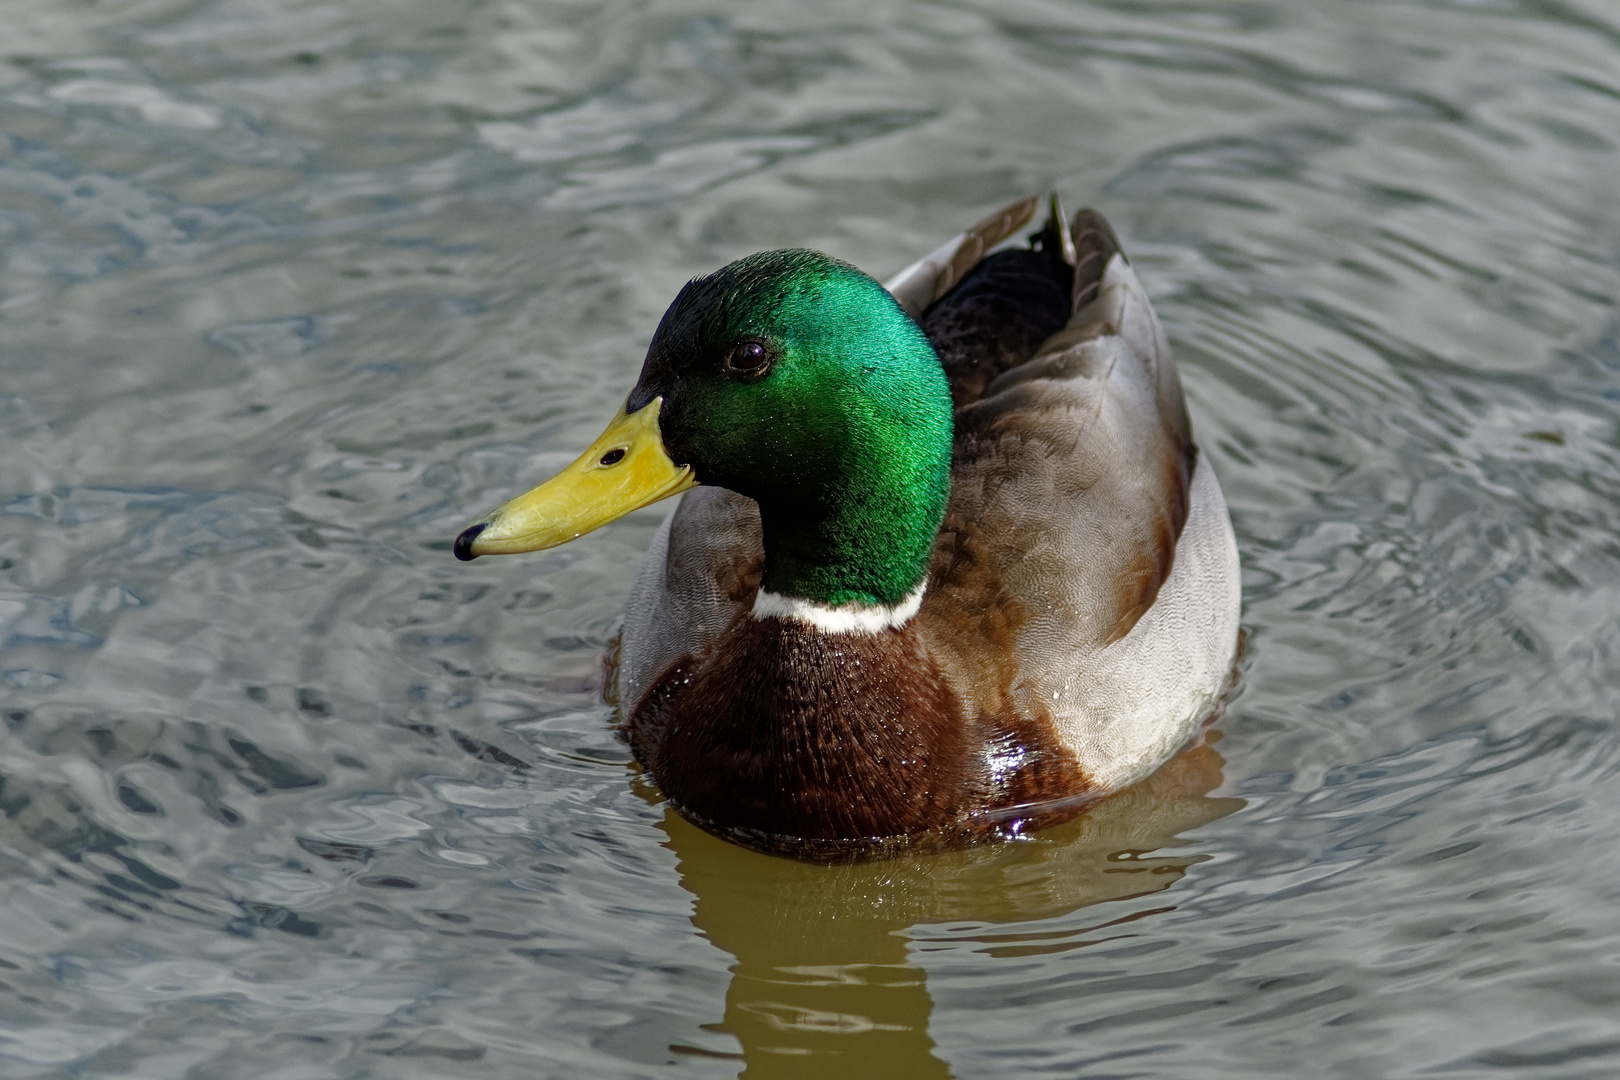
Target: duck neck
{"type": "Point", "coordinates": [855, 548]}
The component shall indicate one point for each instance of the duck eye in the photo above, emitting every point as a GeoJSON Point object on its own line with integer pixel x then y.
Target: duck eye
{"type": "Point", "coordinates": [749, 357]}
{"type": "Point", "coordinates": [612, 457]}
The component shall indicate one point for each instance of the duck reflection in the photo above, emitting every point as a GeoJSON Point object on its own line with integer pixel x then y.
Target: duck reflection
{"type": "Point", "coordinates": [823, 984]}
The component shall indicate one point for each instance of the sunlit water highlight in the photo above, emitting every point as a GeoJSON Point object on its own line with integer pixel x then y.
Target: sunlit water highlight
{"type": "Point", "coordinates": [290, 292]}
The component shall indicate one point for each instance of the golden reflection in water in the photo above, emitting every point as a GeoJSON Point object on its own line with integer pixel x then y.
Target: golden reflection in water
{"type": "Point", "coordinates": [823, 985]}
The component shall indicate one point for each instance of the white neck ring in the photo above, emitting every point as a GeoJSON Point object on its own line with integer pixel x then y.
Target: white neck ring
{"type": "Point", "coordinates": [844, 619]}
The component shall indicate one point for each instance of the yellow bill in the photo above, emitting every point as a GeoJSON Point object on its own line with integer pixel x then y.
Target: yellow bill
{"type": "Point", "coordinates": [624, 469]}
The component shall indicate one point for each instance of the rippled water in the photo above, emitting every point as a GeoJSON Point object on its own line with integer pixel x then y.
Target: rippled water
{"type": "Point", "coordinates": [291, 291]}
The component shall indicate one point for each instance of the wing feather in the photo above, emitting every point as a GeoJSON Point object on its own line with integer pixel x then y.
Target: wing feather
{"type": "Point", "coordinates": [933, 275]}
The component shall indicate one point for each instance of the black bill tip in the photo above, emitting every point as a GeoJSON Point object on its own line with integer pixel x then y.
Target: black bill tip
{"type": "Point", "coordinates": [464, 542]}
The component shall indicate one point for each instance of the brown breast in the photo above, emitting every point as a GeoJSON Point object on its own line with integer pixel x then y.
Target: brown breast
{"type": "Point", "coordinates": [787, 738]}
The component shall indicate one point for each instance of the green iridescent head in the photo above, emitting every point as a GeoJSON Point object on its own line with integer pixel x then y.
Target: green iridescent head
{"type": "Point", "coordinates": [796, 380]}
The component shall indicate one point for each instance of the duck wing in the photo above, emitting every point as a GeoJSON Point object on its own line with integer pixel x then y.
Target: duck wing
{"type": "Point", "coordinates": [1086, 576]}
{"type": "Point", "coordinates": [1074, 465]}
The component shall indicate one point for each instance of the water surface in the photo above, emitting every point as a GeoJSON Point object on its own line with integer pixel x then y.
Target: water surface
{"type": "Point", "coordinates": [291, 292]}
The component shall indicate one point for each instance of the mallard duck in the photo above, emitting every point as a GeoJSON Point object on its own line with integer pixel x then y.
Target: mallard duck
{"type": "Point", "coordinates": [949, 564]}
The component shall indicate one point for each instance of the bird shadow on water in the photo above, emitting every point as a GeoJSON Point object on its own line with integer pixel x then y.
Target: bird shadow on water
{"type": "Point", "coordinates": [823, 978]}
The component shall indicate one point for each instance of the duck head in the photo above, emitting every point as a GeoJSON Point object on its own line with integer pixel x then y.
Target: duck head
{"type": "Point", "coordinates": [796, 380]}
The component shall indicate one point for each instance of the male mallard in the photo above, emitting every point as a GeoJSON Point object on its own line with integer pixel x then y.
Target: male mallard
{"type": "Point", "coordinates": [956, 568]}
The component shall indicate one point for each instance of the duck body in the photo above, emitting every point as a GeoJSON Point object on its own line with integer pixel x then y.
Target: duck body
{"type": "Point", "coordinates": [1068, 624]}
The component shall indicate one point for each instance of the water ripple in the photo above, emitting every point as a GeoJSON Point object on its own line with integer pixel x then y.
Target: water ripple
{"type": "Point", "coordinates": [287, 294]}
